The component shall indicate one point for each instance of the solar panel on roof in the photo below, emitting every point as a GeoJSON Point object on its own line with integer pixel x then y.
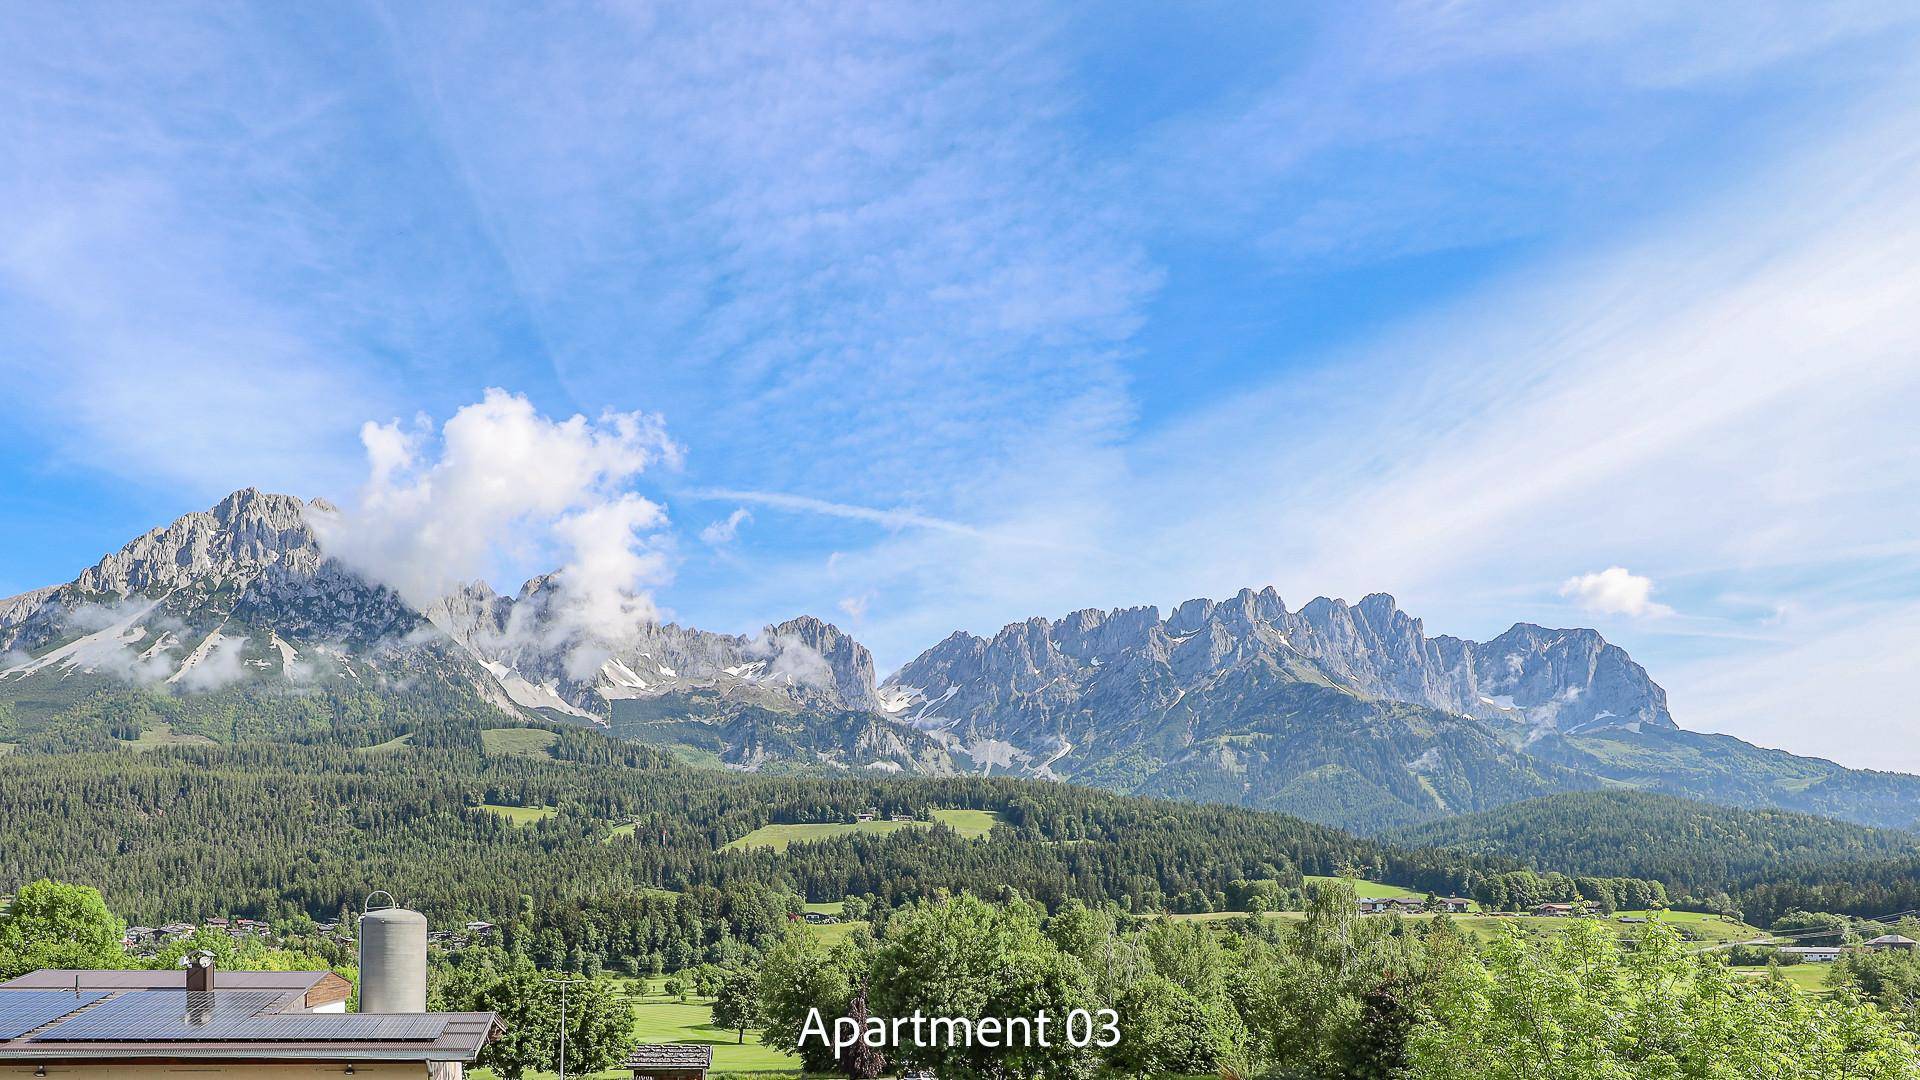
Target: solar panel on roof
{"type": "Point", "coordinates": [230, 1015]}
{"type": "Point", "coordinates": [23, 1010]}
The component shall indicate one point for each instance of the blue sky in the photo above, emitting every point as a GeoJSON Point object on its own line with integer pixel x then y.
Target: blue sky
{"type": "Point", "coordinates": [980, 312]}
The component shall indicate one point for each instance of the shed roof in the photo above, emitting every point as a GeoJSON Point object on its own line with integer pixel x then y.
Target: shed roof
{"type": "Point", "coordinates": [670, 1056]}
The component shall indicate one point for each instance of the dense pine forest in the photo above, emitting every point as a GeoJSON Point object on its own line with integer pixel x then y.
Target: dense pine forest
{"type": "Point", "coordinates": [1688, 845]}
{"type": "Point", "coordinates": [1763, 863]}
{"type": "Point", "coordinates": [275, 828]}
{"type": "Point", "coordinates": [272, 830]}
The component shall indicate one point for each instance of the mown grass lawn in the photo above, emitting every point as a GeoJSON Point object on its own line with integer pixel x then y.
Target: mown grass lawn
{"type": "Point", "coordinates": [662, 1019]}
{"type": "Point", "coordinates": [658, 1018]}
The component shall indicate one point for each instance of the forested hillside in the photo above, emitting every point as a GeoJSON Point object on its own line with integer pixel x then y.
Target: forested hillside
{"type": "Point", "coordinates": [271, 830]}
{"type": "Point", "coordinates": [1687, 845]}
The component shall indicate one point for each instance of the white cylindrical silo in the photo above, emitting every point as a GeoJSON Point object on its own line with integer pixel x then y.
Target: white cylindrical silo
{"type": "Point", "coordinates": [393, 961]}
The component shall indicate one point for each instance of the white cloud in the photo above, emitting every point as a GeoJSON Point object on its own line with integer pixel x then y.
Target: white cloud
{"type": "Point", "coordinates": [789, 658]}
{"type": "Point", "coordinates": [856, 606]}
{"type": "Point", "coordinates": [214, 664]}
{"type": "Point", "coordinates": [723, 532]}
{"type": "Point", "coordinates": [1614, 591]}
{"type": "Point", "coordinates": [500, 484]}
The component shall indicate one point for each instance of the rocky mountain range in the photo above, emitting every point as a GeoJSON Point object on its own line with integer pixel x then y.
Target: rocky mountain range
{"type": "Point", "coordinates": [1348, 714]}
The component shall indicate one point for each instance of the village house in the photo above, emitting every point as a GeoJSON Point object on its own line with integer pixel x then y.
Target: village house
{"type": "Point", "coordinates": [1814, 954]}
{"type": "Point", "coordinates": [1886, 942]}
{"type": "Point", "coordinates": [1455, 905]}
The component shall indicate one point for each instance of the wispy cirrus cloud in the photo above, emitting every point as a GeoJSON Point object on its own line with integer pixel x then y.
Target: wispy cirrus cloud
{"type": "Point", "coordinates": [863, 229]}
{"type": "Point", "coordinates": [885, 518]}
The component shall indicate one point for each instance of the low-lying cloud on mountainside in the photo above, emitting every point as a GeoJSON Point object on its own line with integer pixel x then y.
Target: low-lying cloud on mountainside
{"type": "Point", "coordinates": [130, 641]}
{"type": "Point", "coordinates": [499, 487]}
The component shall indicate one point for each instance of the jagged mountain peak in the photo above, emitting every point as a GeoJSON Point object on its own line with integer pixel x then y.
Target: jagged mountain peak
{"type": "Point", "coordinates": [241, 534]}
{"type": "Point", "coordinates": [1549, 680]}
{"type": "Point", "coordinates": [238, 594]}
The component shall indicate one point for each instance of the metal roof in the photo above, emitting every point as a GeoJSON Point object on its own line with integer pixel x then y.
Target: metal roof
{"type": "Point", "coordinates": [319, 987]}
{"type": "Point", "coordinates": [222, 1015]}
{"type": "Point", "coordinates": [26, 1010]}
{"type": "Point", "coordinates": [670, 1056]}
{"type": "Point", "coordinates": [267, 1023]}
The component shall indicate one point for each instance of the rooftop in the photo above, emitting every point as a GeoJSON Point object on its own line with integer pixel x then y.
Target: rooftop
{"type": "Point", "coordinates": [317, 987]}
{"type": "Point", "coordinates": [74, 1016]}
{"type": "Point", "coordinates": [670, 1056]}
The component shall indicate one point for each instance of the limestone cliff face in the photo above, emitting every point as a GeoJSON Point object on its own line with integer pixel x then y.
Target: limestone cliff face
{"type": "Point", "coordinates": [1120, 662]}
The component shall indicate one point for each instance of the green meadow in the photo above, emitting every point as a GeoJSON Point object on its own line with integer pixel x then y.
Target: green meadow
{"type": "Point", "coordinates": [972, 824]}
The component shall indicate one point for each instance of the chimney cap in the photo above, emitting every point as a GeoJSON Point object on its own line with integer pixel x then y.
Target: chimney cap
{"type": "Point", "coordinates": [199, 965]}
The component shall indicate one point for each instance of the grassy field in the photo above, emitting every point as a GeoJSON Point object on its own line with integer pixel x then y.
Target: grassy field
{"type": "Point", "coordinates": [163, 735]}
{"type": "Point", "coordinates": [619, 831]}
{"type": "Point", "coordinates": [1809, 977]}
{"type": "Point", "coordinates": [520, 815]}
{"type": "Point", "coordinates": [968, 823]}
{"type": "Point", "coordinates": [1371, 890]}
{"type": "Point", "coordinates": [387, 747]}
{"type": "Point", "coordinates": [522, 742]}
{"type": "Point", "coordinates": [658, 1018]}
{"type": "Point", "coordinates": [971, 824]}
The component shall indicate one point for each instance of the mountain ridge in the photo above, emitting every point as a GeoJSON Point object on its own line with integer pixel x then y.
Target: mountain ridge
{"type": "Point", "coordinates": [1346, 713]}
